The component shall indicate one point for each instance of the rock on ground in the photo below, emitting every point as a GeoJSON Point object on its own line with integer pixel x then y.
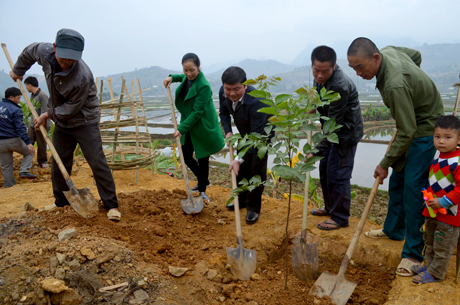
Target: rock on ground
{"type": "Point", "coordinates": [88, 253]}
{"type": "Point", "coordinates": [74, 265]}
{"type": "Point", "coordinates": [176, 271]}
{"type": "Point", "coordinates": [212, 273]}
{"type": "Point", "coordinates": [141, 296]}
{"type": "Point", "coordinates": [54, 285]}
{"type": "Point", "coordinates": [60, 274]}
{"type": "Point", "coordinates": [255, 277]}
{"type": "Point", "coordinates": [61, 258]}
{"type": "Point", "coordinates": [69, 297]}
{"type": "Point", "coordinates": [66, 234]}
{"type": "Point", "coordinates": [117, 297]}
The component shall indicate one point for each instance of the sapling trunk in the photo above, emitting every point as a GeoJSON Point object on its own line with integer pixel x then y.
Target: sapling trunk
{"type": "Point", "coordinates": [287, 236]}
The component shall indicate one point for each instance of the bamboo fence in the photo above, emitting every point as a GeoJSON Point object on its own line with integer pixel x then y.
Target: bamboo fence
{"type": "Point", "coordinates": [125, 150]}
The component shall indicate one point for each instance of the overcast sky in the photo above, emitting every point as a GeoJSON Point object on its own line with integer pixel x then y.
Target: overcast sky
{"type": "Point", "coordinates": [121, 36]}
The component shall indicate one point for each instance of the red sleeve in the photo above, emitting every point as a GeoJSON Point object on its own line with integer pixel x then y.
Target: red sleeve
{"type": "Point", "coordinates": [454, 195]}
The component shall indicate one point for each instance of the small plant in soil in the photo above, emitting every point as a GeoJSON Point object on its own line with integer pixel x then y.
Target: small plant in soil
{"type": "Point", "coordinates": [373, 113]}
{"type": "Point", "coordinates": [290, 117]}
{"type": "Point", "coordinates": [27, 117]}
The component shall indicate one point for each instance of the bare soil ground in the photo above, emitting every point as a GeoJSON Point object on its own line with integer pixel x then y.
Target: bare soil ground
{"type": "Point", "coordinates": [155, 233]}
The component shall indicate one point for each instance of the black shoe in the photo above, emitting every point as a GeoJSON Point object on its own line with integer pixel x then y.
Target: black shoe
{"type": "Point", "coordinates": [231, 206]}
{"type": "Point", "coordinates": [196, 190]}
{"type": "Point", "coordinates": [204, 196]}
{"type": "Point", "coordinates": [27, 175]}
{"type": "Point", "coordinates": [252, 217]}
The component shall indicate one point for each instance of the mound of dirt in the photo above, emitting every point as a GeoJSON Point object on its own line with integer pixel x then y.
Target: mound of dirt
{"type": "Point", "coordinates": [158, 232]}
{"type": "Point", "coordinates": [155, 234]}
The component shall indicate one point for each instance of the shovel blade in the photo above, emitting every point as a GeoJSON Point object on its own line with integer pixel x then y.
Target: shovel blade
{"type": "Point", "coordinates": [82, 201]}
{"type": "Point", "coordinates": [242, 262]}
{"type": "Point", "coordinates": [192, 205]}
{"type": "Point", "coordinates": [338, 290]}
{"type": "Point", "coordinates": [305, 262]}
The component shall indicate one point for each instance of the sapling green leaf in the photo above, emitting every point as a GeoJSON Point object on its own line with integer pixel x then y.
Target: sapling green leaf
{"type": "Point", "coordinates": [282, 98]}
{"type": "Point", "coordinates": [333, 138]}
{"type": "Point", "coordinates": [259, 94]}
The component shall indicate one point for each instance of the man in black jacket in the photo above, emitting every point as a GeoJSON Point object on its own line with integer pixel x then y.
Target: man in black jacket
{"type": "Point", "coordinates": [74, 107]}
{"type": "Point", "coordinates": [234, 101]}
{"type": "Point", "coordinates": [337, 165]}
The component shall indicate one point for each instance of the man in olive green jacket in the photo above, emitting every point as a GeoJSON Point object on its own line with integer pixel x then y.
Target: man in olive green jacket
{"type": "Point", "coordinates": [415, 104]}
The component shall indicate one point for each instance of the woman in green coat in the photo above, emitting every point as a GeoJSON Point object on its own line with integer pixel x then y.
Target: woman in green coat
{"type": "Point", "coordinates": [199, 130]}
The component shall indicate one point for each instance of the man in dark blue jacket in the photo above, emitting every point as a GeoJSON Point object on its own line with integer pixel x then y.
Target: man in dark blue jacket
{"type": "Point", "coordinates": [234, 101]}
{"type": "Point", "coordinates": [337, 165]}
{"type": "Point", "coordinates": [13, 137]}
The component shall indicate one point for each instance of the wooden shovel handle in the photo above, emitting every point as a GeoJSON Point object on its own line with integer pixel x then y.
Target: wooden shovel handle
{"type": "Point", "coordinates": [179, 146]}
{"type": "Point", "coordinates": [454, 113]}
{"type": "Point", "coordinates": [362, 221]}
{"type": "Point", "coordinates": [235, 201]}
{"type": "Point", "coordinates": [35, 115]}
{"type": "Point", "coordinates": [307, 192]}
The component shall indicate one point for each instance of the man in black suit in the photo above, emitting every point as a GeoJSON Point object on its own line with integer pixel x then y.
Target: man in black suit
{"type": "Point", "coordinates": [234, 101]}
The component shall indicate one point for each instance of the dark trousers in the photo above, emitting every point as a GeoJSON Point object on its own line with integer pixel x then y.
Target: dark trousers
{"type": "Point", "coordinates": [404, 216]}
{"type": "Point", "coordinates": [36, 136]}
{"type": "Point", "coordinates": [335, 175]}
{"type": "Point", "coordinates": [440, 240]}
{"type": "Point", "coordinates": [88, 136]}
{"type": "Point", "coordinates": [251, 167]}
{"type": "Point", "coordinates": [201, 168]}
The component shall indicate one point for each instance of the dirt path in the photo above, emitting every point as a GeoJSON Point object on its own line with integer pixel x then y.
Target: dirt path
{"type": "Point", "coordinates": [155, 234]}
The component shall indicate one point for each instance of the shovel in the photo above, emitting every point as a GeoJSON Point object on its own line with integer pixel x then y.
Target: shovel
{"type": "Point", "coordinates": [305, 262]}
{"type": "Point", "coordinates": [338, 288]}
{"type": "Point", "coordinates": [242, 261]}
{"type": "Point", "coordinates": [82, 200]}
{"type": "Point", "coordinates": [191, 204]}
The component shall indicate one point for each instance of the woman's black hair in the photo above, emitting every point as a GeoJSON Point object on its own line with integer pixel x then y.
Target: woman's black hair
{"type": "Point", "coordinates": [193, 57]}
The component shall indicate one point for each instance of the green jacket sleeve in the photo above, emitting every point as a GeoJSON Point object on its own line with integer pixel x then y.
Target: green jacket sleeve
{"type": "Point", "coordinates": [402, 110]}
{"type": "Point", "coordinates": [177, 78]}
{"type": "Point", "coordinates": [201, 102]}
{"type": "Point", "coordinates": [415, 55]}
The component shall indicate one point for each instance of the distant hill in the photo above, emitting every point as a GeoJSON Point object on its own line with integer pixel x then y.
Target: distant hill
{"type": "Point", "coordinates": [6, 82]}
{"type": "Point", "coordinates": [440, 61]}
{"type": "Point", "coordinates": [151, 77]}
{"type": "Point", "coordinates": [253, 68]}
{"type": "Point", "coordinates": [154, 76]}
{"type": "Point", "coordinates": [341, 47]}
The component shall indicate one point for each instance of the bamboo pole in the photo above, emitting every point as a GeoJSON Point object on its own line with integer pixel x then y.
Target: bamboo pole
{"type": "Point", "coordinates": [115, 138]}
{"type": "Point", "coordinates": [138, 83]}
{"type": "Point", "coordinates": [100, 100]}
{"type": "Point", "coordinates": [458, 97]}
{"type": "Point", "coordinates": [112, 96]}
{"type": "Point", "coordinates": [134, 112]}
{"type": "Point", "coordinates": [97, 87]}
{"type": "Point", "coordinates": [115, 99]}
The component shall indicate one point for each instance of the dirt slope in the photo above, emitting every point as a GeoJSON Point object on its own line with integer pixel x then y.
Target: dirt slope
{"type": "Point", "coordinates": [154, 234]}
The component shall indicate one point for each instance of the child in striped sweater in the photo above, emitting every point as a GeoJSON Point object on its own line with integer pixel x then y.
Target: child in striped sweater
{"type": "Point", "coordinates": [442, 232]}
